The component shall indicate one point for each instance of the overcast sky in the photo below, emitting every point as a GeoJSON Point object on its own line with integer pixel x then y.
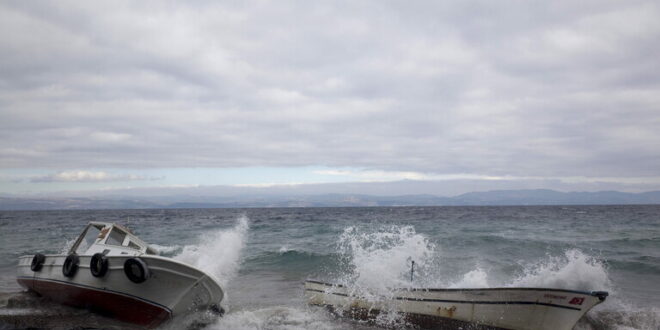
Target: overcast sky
{"type": "Point", "coordinates": [102, 95]}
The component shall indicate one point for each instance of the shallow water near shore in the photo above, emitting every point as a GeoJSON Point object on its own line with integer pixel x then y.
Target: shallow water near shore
{"type": "Point", "coordinates": [262, 256]}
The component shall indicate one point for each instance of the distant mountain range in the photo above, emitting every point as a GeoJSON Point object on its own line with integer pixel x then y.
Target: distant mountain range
{"type": "Point", "coordinates": [496, 197]}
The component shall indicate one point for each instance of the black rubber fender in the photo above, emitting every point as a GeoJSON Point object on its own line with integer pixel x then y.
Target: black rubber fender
{"type": "Point", "coordinates": [37, 262]}
{"type": "Point", "coordinates": [98, 266]}
{"type": "Point", "coordinates": [70, 266]}
{"type": "Point", "coordinates": [136, 270]}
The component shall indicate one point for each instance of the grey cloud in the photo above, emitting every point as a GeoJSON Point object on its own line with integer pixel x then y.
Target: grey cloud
{"type": "Point", "coordinates": [500, 88]}
{"type": "Point", "coordinates": [88, 176]}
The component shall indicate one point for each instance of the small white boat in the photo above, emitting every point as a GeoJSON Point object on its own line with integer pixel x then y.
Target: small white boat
{"type": "Point", "coordinates": [111, 270]}
{"type": "Point", "coordinates": [499, 308]}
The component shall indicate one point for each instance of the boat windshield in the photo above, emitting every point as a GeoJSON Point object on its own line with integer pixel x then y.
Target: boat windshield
{"type": "Point", "coordinates": [116, 237]}
{"type": "Point", "coordinates": [91, 234]}
{"type": "Point", "coordinates": [119, 237]}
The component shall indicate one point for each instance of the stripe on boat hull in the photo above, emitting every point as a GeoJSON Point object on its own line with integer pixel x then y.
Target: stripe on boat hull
{"type": "Point", "coordinates": [460, 301]}
{"type": "Point", "coordinates": [124, 307]}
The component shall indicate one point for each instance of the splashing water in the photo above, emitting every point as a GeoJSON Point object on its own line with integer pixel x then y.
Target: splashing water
{"type": "Point", "coordinates": [379, 261]}
{"type": "Point", "coordinates": [218, 253]}
{"type": "Point", "coordinates": [376, 262]}
{"type": "Point", "coordinates": [574, 270]}
{"type": "Point", "coordinates": [382, 260]}
{"type": "Point", "coordinates": [477, 278]}
{"type": "Point", "coordinates": [167, 250]}
{"type": "Point", "coordinates": [516, 246]}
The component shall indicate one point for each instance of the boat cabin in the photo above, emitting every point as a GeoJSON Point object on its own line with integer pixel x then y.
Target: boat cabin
{"type": "Point", "coordinates": [109, 239]}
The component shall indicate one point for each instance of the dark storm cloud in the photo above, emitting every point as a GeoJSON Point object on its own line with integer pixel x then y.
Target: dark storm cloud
{"type": "Point", "coordinates": [494, 88]}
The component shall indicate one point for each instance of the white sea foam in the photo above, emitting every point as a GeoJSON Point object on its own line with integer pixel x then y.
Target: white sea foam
{"type": "Point", "coordinates": [166, 250]}
{"type": "Point", "coordinates": [275, 318]}
{"type": "Point", "coordinates": [382, 260]}
{"type": "Point", "coordinates": [617, 315]}
{"type": "Point", "coordinates": [477, 278]}
{"type": "Point", "coordinates": [219, 252]}
{"type": "Point", "coordinates": [378, 261]}
{"type": "Point", "coordinates": [574, 270]}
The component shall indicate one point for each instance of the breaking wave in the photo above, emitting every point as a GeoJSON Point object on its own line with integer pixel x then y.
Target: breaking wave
{"type": "Point", "coordinates": [381, 260]}
{"type": "Point", "coordinates": [167, 250]}
{"type": "Point", "coordinates": [574, 270]}
{"type": "Point", "coordinates": [218, 253]}
{"type": "Point", "coordinates": [376, 261]}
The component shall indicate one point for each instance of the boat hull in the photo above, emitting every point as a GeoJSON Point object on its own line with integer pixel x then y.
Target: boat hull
{"type": "Point", "coordinates": [505, 308]}
{"type": "Point", "coordinates": [172, 289]}
{"type": "Point", "coordinates": [120, 305]}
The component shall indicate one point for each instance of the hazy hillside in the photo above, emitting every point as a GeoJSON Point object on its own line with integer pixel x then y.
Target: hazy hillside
{"type": "Point", "coordinates": [499, 197]}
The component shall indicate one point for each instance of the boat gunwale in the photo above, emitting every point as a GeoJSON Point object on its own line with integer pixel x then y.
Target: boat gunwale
{"type": "Point", "coordinates": [142, 256]}
{"type": "Point", "coordinates": [590, 293]}
{"type": "Point", "coordinates": [451, 301]}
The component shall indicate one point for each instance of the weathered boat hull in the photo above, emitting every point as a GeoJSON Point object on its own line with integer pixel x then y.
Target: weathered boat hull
{"type": "Point", "coordinates": [506, 308]}
{"type": "Point", "coordinates": [172, 289]}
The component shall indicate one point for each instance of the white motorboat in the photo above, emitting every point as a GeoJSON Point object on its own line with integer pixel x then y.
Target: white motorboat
{"type": "Point", "coordinates": [499, 308]}
{"type": "Point", "coordinates": [111, 270]}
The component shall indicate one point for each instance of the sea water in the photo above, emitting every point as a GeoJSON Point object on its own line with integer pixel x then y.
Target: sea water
{"type": "Point", "coordinates": [262, 256]}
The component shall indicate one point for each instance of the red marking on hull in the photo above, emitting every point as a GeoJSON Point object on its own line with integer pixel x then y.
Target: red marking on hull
{"type": "Point", "coordinates": [124, 308]}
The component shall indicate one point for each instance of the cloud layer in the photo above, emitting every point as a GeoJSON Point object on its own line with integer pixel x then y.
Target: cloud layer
{"type": "Point", "coordinates": [87, 176]}
{"type": "Point", "coordinates": [483, 88]}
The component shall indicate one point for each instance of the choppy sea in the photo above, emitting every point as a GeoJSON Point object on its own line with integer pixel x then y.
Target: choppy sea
{"type": "Point", "coordinates": [262, 256]}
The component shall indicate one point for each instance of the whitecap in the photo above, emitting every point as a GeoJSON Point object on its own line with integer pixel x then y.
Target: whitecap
{"type": "Point", "coordinates": [219, 252]}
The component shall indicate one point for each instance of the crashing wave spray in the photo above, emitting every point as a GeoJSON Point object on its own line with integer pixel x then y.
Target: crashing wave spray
{"type": "Point", "coordinates": [474, 279]}
{"type": "Point", "coordinates": [382, 260]}
{"type": "Point", "coordinates": [377, 262]}
{"type": "Point", "coordinates": [218, 253]}
{"type": "Point", "coordinates": [574, 270]}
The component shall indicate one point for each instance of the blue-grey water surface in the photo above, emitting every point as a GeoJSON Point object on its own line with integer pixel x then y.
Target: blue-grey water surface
{"type": "Point", "coordinates": [262, 256]}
